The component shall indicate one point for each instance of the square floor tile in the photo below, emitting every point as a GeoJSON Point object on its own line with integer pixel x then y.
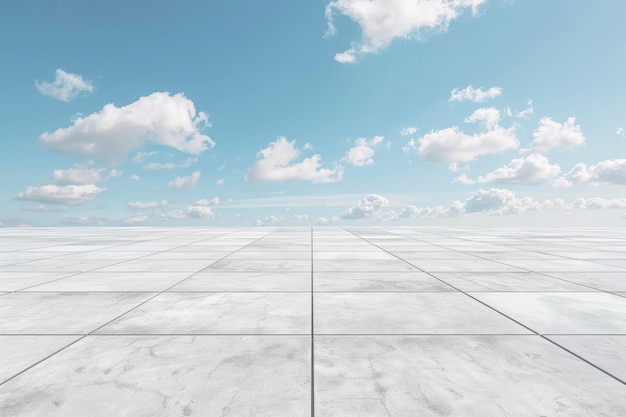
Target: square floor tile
{"type": "Point", "coordinates": [259, 265]}
{"type": "Point", "coordinates": [19, 352]}
{"type": "Point", "coordinates": [13, 281]}
{"type": "Point", "coordinates": [140, 265]}
{"type": "Point", "coordinates": [458, 376]}
{"type": "Point", "coordinates": [62, 313]}
{"type": "Point", "coordinates": [606, 352]}
{"type": "Point", "coordinates": [455, 265]}
{"type": "Point", "coordinates": [407, 313]}
{"type": "Point", "coordinates": [562, 313]}
{"type": "Point", "coordinates": [377, 281]}
{"type": "Point", "coordinates": [115, 281]}
{"type": "Point", "coordinates": [605, 281]}
{"type": "Point", "coordinates": [362, 265]}
{"type": "Point", "coordinates": [246, 281]}
{"type": "Point", "coordinates": [506, 281]}
{"type": "Point", "coordinates": [218, 313]}
{"type": "Point", "coordinates": [104, 376]}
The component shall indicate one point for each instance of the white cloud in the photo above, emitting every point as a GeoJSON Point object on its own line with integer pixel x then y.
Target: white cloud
{"type": "Point", "coordinates": [411, 146]}
{"type": "Point", "coordinates": [42, 208]}
{"type": "Point", "coordinates": [366, 207]}
{"type": "Point", "coordinates": [500, 201]}
{"type": "Point", "coordinates": [361, 154]}
{"type": "Point", "coordinates": [470, 93]}
{"type": "Point", "coordinates": [463, 179]}
{"type": "Point", "coordinates": [599, 203]}
{"type": "Point", "coordinates": [620, 132]}
{"type": "Point", "coordinates": [65, 86]}
{"type": "Point", "coordinates": [140, 157]}
{"type": "Point", "coordinates": [142, 205]}
{"type": "Point", "coordinates": [408, 131]}
{"type": "Point", "coordinates": [186, 183]}
{"type": "Point", "coordinates": [452, 145]}
{"type": "Point", "coordinates": [610, 171]}
{"type": "Point", "coordinates": [215, 201]}
{"type": "Point", "coordinates": [551, 134]}
{"type": "Point", "coordinates": [219, 182]}
{"type": "Point", "coordinates": [173, 214]}
{"type": "Point", "coordinates": [139, 218]}
{"type": "Point", "coordinates": [277, 164]}
{"type": "Point", "coordinates": [382, 21]}
{"type": "Point", "coordinates": [268, 221]}
{"type": "Point", "coordinates": [85, 221]}
{"type": "Point", "coordinates": [57, 194]}
{"type": "Point", "coordinates": [525, 114]}
{"type": "Point", "coordinates": [301, 216]}
{"type": "Point", "coordinates": [171, 165]}
{"type": "Point", "coordinates": [134, 178]}
{"type": "Point", "coordinates": [326, 220]}
{"type": "Point", "coordinates": [82, 174]}
{"type": "Point", "coordinates": [113, 132]}
{"type": "Point", "coordinates": [532, 168]}
{"type": "Point", "coordinates": [201, 211]}
{"type": "Point", "coordinates": [489, 116]}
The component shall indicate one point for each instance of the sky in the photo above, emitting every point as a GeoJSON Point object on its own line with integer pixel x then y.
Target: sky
{"type": "Point", "coordinates": [456, 113]}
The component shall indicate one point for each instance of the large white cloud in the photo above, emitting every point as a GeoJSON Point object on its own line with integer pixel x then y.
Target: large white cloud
{"type": "Point", "coordinates": [551, 134]}
{"type": "Point", "coordinates": [57, 194]}
{"type": "Point", "coordinates": [65, 86]}
{"type": "Point", "coordinates": [362, 153]}
{"type": "Point", "coordinates": [382, 21]}
{"type": "Point", "coordinates": [113, 132]}
{"type": "Point", "coordinates": [186, 183]}
{"type": "Point", "coordinates": [452, 145]}
{"type": "Point", "coordinates": [532, 168]}
{"type": "Point", "coordinates": [610, 171]}
{"type": "Point", "coordinates": [366, 207]}
{"type": "Point", "coordinates": [277, 164]}
{"type": "Point", "coordinates": [470, 93]}
{"type": "Point", "coordinates": [86, 173]}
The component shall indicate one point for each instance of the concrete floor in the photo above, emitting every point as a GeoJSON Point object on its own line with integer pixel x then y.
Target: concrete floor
{"type": "Point", "coordinates": [326, 321]}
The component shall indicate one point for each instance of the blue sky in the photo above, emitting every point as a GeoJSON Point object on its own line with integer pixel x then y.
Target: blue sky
{"type": "Point", "coordinates": [306, 112]}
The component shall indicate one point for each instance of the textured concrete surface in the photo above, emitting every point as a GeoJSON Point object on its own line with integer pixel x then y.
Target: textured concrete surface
{"type": "Point", "coordinates": [361, 321]}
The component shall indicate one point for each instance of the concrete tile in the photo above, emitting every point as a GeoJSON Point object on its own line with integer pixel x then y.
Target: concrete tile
{"type": "Point", "coordinates": [506, 281]}
{"type": "Point", "coordinates": [362, 265]}
{"type": "Point", "coordinates": [458, 376]}
{"type": "Point", "coordinates": [247, 281]}
{"type": "Point", "coordinates": [19, 352]}
{"type": "Point", "coordinates": [63, 313]}
{"type": "Point", "coordinates": [562, 313]}
{"type": "Point", "coordinates": [407, 313]}
{"type": "Point", "coordinates": [453, 265]}
{"type": "Point", "coordinates": [606, 352]}
{"type": "Point", "coordinates": [605, 281]}
{"type": "Point", "coordinates": [377, 281]}
{"type": "Point", "coordinates": [140, 265]}
{"type": "Point", "coordinates": [260, 265]}
{"type": "Point", "coordinates": [56, 265]}
{"type": "Point", "coordinates": [563, 265]}
{"type": "Point", "coordinates": [218, 313]}
{"type": "Point", "coordinates": [115, 281]}
{"type": "Point", "coordinates": [167, 376]}
{"type": "Point", "coordinates": [13, 281]}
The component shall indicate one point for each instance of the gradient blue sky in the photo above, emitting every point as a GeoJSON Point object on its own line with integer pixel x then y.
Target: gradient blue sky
{"type": "Point", "coordinates": [302, 112]}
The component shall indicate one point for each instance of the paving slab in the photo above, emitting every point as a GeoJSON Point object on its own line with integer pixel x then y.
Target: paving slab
{"type": "Point", "coordinates": [218, 313]}
{"type": "Point", "coordinates": [458, 376]}
{"type": "Point", "coordinates": [102, 376]}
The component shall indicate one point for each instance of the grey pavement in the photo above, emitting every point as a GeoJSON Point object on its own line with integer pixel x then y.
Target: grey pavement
{"type": "Point", "coordinates": [323, 321]}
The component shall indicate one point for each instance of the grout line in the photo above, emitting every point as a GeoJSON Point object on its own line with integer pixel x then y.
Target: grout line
{"type": "Point", "coordinates": [121, 315]}
{"type": "Point", "coordinates": [505, 315]}
{"type": "Point", "coordinates": [312, 332]}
